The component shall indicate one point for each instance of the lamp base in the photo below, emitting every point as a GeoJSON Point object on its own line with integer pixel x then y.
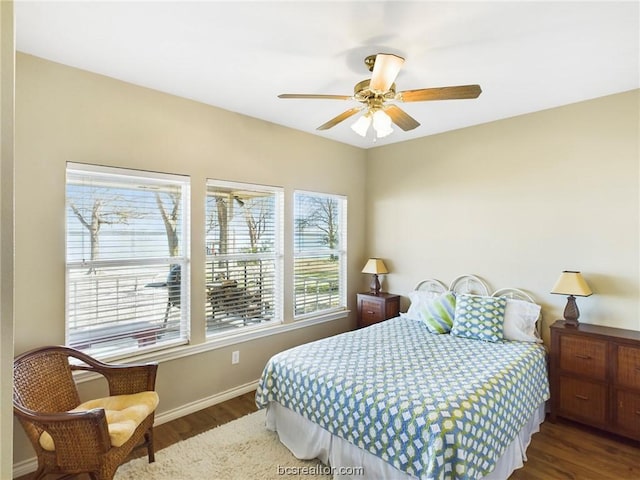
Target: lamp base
{"type": "Point", "coordinates": [374, 288]}
{"type": "Point", "coordinates": [571, 312]}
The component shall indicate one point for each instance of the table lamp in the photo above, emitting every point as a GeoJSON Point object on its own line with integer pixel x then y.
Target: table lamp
{"type": "Point", "coordinates": [375, 266]}
{"type": "Point", "coordinates": [572, 284]}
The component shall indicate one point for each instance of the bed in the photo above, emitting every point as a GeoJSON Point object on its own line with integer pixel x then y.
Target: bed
{"type": "Point", "coordinates": [397, 401]}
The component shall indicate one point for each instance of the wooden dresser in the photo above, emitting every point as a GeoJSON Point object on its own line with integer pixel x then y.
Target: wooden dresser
{"type": "Point", "coordinates": [376, 308]}
{"type": "Point", "coordinates": [595, 377]}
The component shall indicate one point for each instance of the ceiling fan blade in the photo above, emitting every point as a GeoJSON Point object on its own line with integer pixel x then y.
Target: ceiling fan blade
{"type": "Point", "coordinates": [401, 118]}
{"type": "Point", "coordinates": [343, 116]}
{"type": "Point", "coordinates": [314, 96]}
{"type": "Point", "coordinates": [441, 93]}
{"type": "Point", "coordinates": [385, 70]}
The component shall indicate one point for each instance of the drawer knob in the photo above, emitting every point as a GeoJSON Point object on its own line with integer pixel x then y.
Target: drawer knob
{"type": "Point", "coordinates": [637, 412]}
{"type": "Point", "coordinates": [370, 312]}
{"type": "Point", "coordinates": [583, 357]}
{"type": "Point", "coordinates": [582, 397]}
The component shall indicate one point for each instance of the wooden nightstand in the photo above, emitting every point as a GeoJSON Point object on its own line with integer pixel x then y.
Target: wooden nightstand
{"type": "Point", "coordinates": [376, 308]}
{"type": "Point", "coordinates": [595, 377]}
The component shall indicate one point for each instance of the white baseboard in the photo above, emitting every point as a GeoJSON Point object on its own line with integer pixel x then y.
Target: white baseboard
{"type": "Point", "coordinates": [31, 464]}
{"type": "Point", "coordinates": [25, 467]}
{"type": "Point", "coordinates": [198, 405]}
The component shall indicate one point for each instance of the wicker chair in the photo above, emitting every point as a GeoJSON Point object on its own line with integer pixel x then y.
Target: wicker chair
{"type": "Point", "coordinates": [43, 393]}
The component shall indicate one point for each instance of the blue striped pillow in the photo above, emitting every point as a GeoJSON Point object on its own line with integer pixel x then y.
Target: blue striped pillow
{"type": "Point", "coordinates": [438, 314]}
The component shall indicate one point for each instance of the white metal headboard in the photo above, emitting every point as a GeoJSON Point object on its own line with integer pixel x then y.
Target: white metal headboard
{"type": "Point", "coordinates": [471, 284]}
{"type": "Point", "coordinates": [433, 288]}
{"type": "Point", "coordinates": [514, 293]}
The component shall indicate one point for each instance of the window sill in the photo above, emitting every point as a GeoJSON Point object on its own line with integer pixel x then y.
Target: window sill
{"type": "Point", "coordinates": [213, 343]}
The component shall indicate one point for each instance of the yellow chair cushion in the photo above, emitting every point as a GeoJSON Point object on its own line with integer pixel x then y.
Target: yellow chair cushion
{"type": "Point", "coordinates": [124, 413]}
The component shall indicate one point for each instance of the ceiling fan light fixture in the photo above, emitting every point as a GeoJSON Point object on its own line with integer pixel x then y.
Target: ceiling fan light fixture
{"type": "Point", "coordinates": [361, 125]}
{"type": "Point", "coordinates": [379, 96]}
{"type": "Point", "coordinates": [382, 124]}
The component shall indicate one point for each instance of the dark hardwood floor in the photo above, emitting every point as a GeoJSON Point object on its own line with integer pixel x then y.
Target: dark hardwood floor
{"type": "Point", "coordinates": [562, 450]}
{"type": "Point", "coordinates": [568, 450]}
{"type": "Point", "coordinates": [203, 420]}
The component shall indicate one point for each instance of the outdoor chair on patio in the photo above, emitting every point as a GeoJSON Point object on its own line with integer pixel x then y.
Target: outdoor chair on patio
{"type": "Point", "coordinates": [94, 437]}
{"type": "Point", "coordinates": [173, 289]}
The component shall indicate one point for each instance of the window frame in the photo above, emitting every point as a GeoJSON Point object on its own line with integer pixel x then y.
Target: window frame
{"type": "Point", "coordinates": [276, 257]}
{"type": "Point", "coordinates": [341, 252]}
{"type": "Point", "coordinates": [121, 178]}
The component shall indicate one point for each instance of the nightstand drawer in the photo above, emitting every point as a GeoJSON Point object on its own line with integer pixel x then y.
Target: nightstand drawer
{"type": "Point", "coordinates": [584, 356]}
{"type": "Point", "coordinates": [583, 399]}
{"type": "Point", "coordinates": [628, 412]}
{"type": "Point", "coordinates": [628, 373]}
{"type": "Point", "coordinates": [377, 308]}
{"type": "Point", "coordinates": [372, 312]}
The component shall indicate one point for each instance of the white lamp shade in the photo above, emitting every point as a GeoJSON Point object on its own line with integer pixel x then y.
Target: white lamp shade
{"type": "Point", "coordinates": [376, 266]}
{"type": "Point", "coordinates": [361, 125]}
{"type": "Point", "coordinates": [572, 283]}
{"type": "Point", "coordinates": [382, 124]}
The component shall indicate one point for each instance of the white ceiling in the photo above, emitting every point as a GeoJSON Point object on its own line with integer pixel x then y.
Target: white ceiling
{"type": "Point", "coordinates": [527, 56]}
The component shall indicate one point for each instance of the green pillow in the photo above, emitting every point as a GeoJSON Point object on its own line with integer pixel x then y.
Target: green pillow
{"type": "Point", "coordinates": [437, 314]}
{"type": "Point", "coordinates": [479, 317]}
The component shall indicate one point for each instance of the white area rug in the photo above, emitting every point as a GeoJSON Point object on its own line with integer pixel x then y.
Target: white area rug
{"type": "Point", "coordinates": [240, 450]}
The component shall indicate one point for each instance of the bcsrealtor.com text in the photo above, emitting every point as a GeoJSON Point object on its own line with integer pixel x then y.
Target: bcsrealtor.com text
{"type": "Point", "coordinates": [319, 470]}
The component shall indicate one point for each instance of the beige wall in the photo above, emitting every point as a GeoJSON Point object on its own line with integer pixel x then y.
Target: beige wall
{"type": "Point", "coordinates": [517, 201]}
{"type": "Point", "coordinates": [64, 114]}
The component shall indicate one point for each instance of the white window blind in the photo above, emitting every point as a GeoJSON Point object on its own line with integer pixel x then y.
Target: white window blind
{"type": "Point", "coordinates": [244, 256]}
{"type": "Point", "coordinates": [320, 222]}
{"type": "Point", "coordinates": [127, 260]}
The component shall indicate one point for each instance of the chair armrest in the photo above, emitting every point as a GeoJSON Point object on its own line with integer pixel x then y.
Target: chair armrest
{"type": "Point", "coordinates": [123, 379]}
{"type": "Point", "coordinates": [79, 437]}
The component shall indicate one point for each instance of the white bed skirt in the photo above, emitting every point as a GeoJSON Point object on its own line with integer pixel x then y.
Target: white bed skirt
{"type": "Point", "coordinates": [306, 440]}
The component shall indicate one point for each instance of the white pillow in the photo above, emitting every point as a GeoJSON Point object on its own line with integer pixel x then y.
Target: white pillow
{"type": "Point", "coordinates": [520, 321]}
{"type": "Point", "coordinates": [420, 299]}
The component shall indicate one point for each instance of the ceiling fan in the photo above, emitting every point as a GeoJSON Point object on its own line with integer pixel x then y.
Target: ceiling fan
{"type": "Point", "coordinates": [378, 96]}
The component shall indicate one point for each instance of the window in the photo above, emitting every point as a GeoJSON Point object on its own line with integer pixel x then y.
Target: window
{"type": "Point", "coordinates": [319, 253]}
{"type": "Point", "coordinates": [127, 259]}
{"type": "Point", "coordinates": [244, 256]}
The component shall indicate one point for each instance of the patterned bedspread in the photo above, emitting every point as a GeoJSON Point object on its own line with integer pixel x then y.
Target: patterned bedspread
{"type": "Point", "coordinates": [433, 406]}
